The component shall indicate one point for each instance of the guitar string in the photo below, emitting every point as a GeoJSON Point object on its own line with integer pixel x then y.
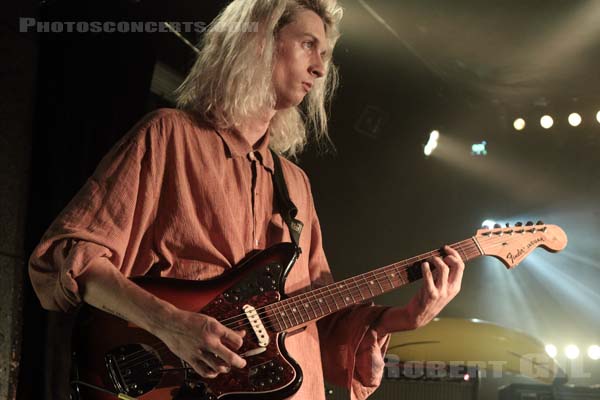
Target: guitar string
{"type": "Point", "coordinates": [408, 263]}
{"type": "Point", "coordinates": [467, 244]}
{"type": "Point", "coordinates": [291, 300]}
{"type": "Point", "coordinates": [401, 266]}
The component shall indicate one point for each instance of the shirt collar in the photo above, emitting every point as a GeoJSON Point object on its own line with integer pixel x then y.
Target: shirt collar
{"type": "Point", "coordinates": [238, 146]}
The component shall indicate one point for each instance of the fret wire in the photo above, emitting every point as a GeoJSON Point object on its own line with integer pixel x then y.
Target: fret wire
{"type": "Point", "coordinates": [463, 254]}
{"type": "Point", "coordinates": [300, 302]}
{"type": "Point", "coordinates": [467, 254]}
{"type": "Point", "coordinates": [319, 301]}
{"type": "Point", "coordinates": [332, 295]}
{"type": "Point", "coordinates": [274, 310]}
{"type": "Point", "coordinates": [352, 291]}
{"type": "Point", "coordinates": [389, 279]}
{"type": "Point", "coordinates": [398, 281]}
{"type": "Point", "coordinates": [348, 296]}
{"type": "Point", "coordinates": [368, 281]}
{"type": "Point", "coordinates": [343, 290]}
{"type": "Point", "coordinates": [296, 303]}
{"type": "Point", "coordinates": [290, 304]}
{"type": "Point", "coordinates": [357, 285]}
{"type": "Point", "coordinates": [299, 306]}
{"type": "Point", "coordinates": [279, 312]}
{"type": "Point", "coordinates": [312, 308]}
{"type": "Point", "coordinates": [400, 277]}
{"type": "Point", "coordinates": [293, 306]}
{"type": "Point", "coordinates": [379, 283]}
{"type": "Point", "coordinates": [339, 287]}
{"type": "Point", "coordinates": [404, 280]}
{"type": "Point", "coordinates": [305, 306]}
{"type": "Point", "coordinates": [368, 285]}
{"type": "Point", "coordinates": [360, 289]}
{"type": "Point", "coordinates": [327, 304]}
{"type": "Point", "coordinates": [270, 309]}
{"type": "Point", "coordinates": [371, 277]}
{"type": "Point", "coordinates": [286, 312]}
{"type": "Point", "coordinates": [315, 297]}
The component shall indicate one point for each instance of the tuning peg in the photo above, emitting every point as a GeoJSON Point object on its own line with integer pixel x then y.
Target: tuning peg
{"type": "Point", "coordinates": [496, 226]}
{"type": "Point", "coordinates": [529, 223]}
{"type": "Point", "coordinates": [507, 225]}
{"type": "Point", "coordinates": [540, 223]}
{"type": "Point", "coordinates": [519, 224]}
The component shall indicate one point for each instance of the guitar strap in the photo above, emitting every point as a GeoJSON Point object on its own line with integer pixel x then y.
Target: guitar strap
{"type": "Point", "coordinates": [286, 207]}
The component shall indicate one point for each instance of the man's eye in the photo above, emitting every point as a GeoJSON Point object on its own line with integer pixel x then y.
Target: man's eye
{"type": "Point", "coordinates": [309, 44]}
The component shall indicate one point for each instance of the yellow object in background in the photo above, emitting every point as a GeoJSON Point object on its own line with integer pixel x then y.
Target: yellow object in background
{"type": "Point", "coordinates": [493, 348]}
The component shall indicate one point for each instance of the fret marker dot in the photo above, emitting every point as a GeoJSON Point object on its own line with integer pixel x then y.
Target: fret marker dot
{"type": "Point", "coordinates": [371, 282]}
{"type": "Point", "coordinates": [294, 309]}
{"type": "Point", "coordinates": [392, 275]}
{"type": "Point", "coordinates": [320, 300]}
{"type": "Point", "coordinates": [347, 298]}
{"type": "Point", "coordinates": [306, 305]}
{"type": "Point", "coordinates": [283, 314]}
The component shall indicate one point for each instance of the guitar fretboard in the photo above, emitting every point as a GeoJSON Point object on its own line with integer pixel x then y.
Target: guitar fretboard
{"type": "Point", "coordinates": [300, 309]}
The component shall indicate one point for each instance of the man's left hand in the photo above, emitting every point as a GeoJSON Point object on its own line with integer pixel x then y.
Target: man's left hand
{"type": "Point", "coordinates": [439, 287]}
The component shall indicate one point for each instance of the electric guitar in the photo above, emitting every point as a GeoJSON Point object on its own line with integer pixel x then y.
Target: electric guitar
{"type": "Point", "coordinates": [114, 359]}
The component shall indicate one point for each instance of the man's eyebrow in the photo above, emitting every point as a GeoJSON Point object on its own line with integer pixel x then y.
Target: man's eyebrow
{"type": "Point", "coordinates": [316, 39]}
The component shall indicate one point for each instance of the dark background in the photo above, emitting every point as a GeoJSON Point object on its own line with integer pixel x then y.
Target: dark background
{"type": "Point", "coordinates": [466, 68]}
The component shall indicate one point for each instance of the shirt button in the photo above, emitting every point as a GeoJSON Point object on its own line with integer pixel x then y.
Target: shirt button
{"type": "Point", "coordinates": [251, 156]}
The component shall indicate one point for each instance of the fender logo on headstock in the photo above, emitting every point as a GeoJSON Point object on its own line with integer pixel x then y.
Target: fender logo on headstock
{"type": "Point", "coordinates": [523, 250]}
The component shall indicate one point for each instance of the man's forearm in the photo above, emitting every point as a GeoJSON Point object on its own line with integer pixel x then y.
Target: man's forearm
{"type": "Point", "coordinates": [107, 289]}
{"type": "Point", "coordinates": [395, 319]}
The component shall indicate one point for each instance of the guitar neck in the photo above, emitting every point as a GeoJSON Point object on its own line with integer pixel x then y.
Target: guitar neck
{"type": "Point", "coordinates": [315, 304]}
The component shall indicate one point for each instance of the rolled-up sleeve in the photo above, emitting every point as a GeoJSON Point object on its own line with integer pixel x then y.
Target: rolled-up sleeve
{"type": "Point", "coordinates": [107, 221]}
{"type": "Point", "coordinates": [351, 352]}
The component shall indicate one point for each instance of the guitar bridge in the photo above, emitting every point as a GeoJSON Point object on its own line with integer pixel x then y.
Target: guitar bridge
{"type": "Point", "coordinates": [134, 369]}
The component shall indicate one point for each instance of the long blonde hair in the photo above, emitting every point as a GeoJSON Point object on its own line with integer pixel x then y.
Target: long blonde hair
{"type": "Point", "coordinates": [231, 78]}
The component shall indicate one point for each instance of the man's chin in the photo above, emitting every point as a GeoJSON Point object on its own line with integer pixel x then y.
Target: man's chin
{"type": "Point", "coordinates": [288, 103]}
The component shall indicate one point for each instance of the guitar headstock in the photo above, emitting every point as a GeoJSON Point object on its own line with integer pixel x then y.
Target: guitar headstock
{"type": "Point", "coordinates": [512, 244]}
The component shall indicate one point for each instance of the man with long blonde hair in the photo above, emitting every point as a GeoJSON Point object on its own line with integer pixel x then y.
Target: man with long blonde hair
{"type": "Point", "coordinates": [188, 194]}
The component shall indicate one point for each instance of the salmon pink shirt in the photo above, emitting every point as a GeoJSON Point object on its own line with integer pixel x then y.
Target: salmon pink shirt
{"type": "Point", "coordinates": [176, 198]}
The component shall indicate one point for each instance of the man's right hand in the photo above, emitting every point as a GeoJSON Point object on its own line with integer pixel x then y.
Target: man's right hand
{"type": "Point", "coordinates": [203, 342]}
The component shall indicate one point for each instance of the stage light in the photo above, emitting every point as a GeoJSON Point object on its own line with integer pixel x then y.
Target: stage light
{"type": "Point", "coordinates": [488, 223]}
{"type": "Point", "coordinates": [594, 352]}
{"type": "Point", "coordinates": [478, 149]}
{"type": "Point", "coordinates": [546, 121]}
{"type": "Point", "coordinates": [467, 377]}
{"type": "Point", "coordinates": [598, 116]}
{"type": "Point", "coordinates": [551, 350]}
{"type": "Point", "coordinates": [519, 124]}
{"type": "Point", "coordinates": [572, 351]}
{"type": "Point", "coordinates": [431, 143]}
{"type": "Point", "coordinates": [574, 119]}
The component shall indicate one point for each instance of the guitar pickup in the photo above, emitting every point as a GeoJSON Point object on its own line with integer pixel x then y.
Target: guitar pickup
{"type": "Point", "coordinates": [257, 326]}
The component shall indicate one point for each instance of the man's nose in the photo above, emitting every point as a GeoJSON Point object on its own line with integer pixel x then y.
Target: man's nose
{"type": "Point", "coordinates": [317, 69]}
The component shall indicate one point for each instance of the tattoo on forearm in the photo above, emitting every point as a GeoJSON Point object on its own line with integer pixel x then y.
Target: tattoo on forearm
{"type": "Point", "coordinates": [113, 312]}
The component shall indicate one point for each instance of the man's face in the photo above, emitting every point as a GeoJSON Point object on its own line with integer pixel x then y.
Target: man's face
{"type": "Point", "coordinates": [301, 47]}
